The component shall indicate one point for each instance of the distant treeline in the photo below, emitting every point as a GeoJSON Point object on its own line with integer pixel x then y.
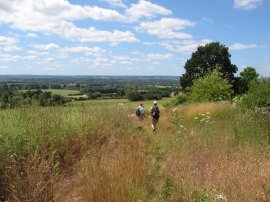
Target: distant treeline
{"type": "Point", "coordinates": [11, 99]}
{"type": "Point", "coordinates": [18, 91]}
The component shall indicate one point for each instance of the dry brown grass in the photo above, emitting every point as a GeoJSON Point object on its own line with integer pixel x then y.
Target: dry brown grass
{"type": "Point", "coordinates": [117, 171]}
{"type": "Point", "coordinates": [190, 111]}
{"type": "Point", "coordinates": [240, 176]}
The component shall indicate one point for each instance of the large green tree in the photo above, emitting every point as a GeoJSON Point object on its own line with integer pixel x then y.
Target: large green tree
{"type": "Point", "coordinates": [204, 60]}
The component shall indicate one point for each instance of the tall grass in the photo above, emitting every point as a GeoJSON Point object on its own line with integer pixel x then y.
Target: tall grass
{"type": "Point", "coordinates": [201, 152]}
{"type": "Point", "coordinates": [219, 151]}
{"type": "Point", "coordinates": [40, 144]}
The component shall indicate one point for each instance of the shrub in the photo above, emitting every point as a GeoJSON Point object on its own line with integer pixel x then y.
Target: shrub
{"type": "Point", "coordinates": [211, 88]}
{"type": "Point", "coordinates": [179, 99]}
{"type": "Point", "coordinates": [258, 94]}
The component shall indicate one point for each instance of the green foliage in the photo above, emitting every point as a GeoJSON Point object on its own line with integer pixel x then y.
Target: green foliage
{"type": "Point", "coordinates": [46, 141]}
{"type": "Point", "coordinates": [133, 95]}
{"type": "Point", "coordinates": [167, 189]}
{"type": "Point", "coordinates": [249, 74]}
{"type": "Point", "coordinates": [203, 196]}
{"type": "Point", "coordinates": [241, 84]}
{"type": "Point", "coordinates": [258, 94]}
{"type": "Point", "coordinates": [179, 99]}
{"type": "Point", "coordinates": [12, 99]}
{"type": "Point", "coordinates": [207, 58]}
{"type": "Point", "coordinates": [211, 88]}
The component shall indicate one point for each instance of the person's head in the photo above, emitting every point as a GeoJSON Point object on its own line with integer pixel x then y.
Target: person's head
{"type": "Point", "coordinates": [141, 104]}
{"type": "Point", "coordinates": [155, 102]}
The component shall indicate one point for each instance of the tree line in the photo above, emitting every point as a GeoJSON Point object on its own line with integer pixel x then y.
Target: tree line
{"type": "Point", "coordinates": [12, 99]}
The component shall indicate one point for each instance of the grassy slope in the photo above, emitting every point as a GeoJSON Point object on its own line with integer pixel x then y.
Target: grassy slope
{"type": "Point", "coordinates": [77, 153]}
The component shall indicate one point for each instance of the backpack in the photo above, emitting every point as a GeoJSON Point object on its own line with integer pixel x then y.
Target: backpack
{"type": "Point", "coordinates": [138, 111]}
{"type": "Point", "coordinates": [155, 112]}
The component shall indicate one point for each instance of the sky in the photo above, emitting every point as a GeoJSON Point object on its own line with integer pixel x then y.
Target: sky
{"type": "Point", "coordinates": [129, 37]}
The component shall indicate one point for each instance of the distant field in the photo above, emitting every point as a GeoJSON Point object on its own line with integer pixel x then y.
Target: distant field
{"type": "Point", "coordinates": [120, 102]}
{"type": "Point", "coordinates": [60, 91]}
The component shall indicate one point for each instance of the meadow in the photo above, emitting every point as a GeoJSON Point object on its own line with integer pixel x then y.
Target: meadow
{"type": "Point", "coordinates": [99, 151]}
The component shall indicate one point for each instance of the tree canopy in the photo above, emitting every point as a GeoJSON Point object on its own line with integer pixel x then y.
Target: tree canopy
{"type": "Point", "coordinates": [242, 83]}
{"type": "Point", "coordinates": [204, 60]}
{"type": "Point", "coordinates": [249, 74]}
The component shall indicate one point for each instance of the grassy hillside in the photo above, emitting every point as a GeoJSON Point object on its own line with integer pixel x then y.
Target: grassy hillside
{"type": "Point", "coordinates": [95, 152]}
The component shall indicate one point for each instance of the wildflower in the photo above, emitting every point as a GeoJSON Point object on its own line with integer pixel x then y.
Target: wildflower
{"type": "Point", "coordinates": [221, 197]}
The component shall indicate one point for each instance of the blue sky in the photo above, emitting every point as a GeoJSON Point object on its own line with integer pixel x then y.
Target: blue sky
{"type": "Point", "coordinates": [128, 37]}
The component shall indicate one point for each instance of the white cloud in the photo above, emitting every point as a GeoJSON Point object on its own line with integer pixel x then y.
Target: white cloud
{"type": "Point", "coordinates": [30, 57]}
{"type": "Point", "coordinates": [87, 50]}
{"type": "Point", "coordinates": [50, 46]}
{"type": "Point", "coordinates": [185, 46]}
{"type": "Point", "coordinates": [9, 58]}
{"type": "Point", "coordinates": [50, 59]}
{"type": "Point", "coordinates": [247, 4]}
{"type": "Point", "coordinates": [145, 9]}
{"type": "Point", "coordinates": [166, 28]}
{"type": "Point", "coordinates": [8, 44]}
{"type": "Point", "coordinates": [117, 3]}
{"type": "Point", "coordinates": [7, 40]}
{"type": "Point", "coordinates": [31, 35]}
{"type": "Point", "coordinates": [102, 63]}
{"type": "Point", "coordinates": [32, 52]}
{"type": "Point", "coordinates": [240, 46]}
{"type": "Point", "coordinates": [57, 16]}
{"type": "Point", "coordinates": [156, 56]}
{"type": "Point", "coordinates": [10, 48]}
{"type": "Point", "coordinates": [93, 35]}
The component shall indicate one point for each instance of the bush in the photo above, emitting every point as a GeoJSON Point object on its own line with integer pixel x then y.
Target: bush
{"type": "Point", "coordinates": [179, 99]}
{"type": "Point", "coordinates": [211, 88]}
{"type": "Point", "coordinates": [258, 94]}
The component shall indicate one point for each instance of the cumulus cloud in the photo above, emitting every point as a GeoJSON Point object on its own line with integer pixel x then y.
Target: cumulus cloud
{"type": "Point", "coordinates": [247, 4]}
{"type": "Point", "coordinates": [145, 9]}
{"type": "Point", "coordinates": [185, 46]}
{"type": "Point", "coordinates": [83, 49]}
{"type": "Point", "coordinates": [117, 3]}
{"type": "Point", "coordinates": [166, 28]}
{"type": "Point", "coordinates": [240, 46]}
{"type": "Point", "coordinates": [7, 40]}
{"type": "Point", "coordinates": [57, 16]}
{"type": "Point", "coordinates": [50, 46]}
{"type": "Point", "coordinates": [157, 56]}
{"type": "Point", "coordinates": [93, 35]}
{"type": "Point", "coordinates": [31, 35]}
{"type": "Point", "coordinates": [8, 44]}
